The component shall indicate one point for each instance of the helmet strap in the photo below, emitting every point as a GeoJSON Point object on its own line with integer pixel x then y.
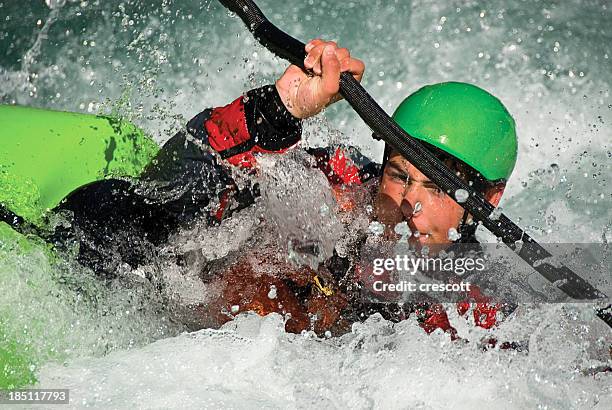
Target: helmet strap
{"type": "Point", "coordinates": [386, 155]}
{"type": "Point", "coordinates": [466, 229]}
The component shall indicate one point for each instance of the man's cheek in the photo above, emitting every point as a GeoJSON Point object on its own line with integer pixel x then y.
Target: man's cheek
{"type": "Point", "coordinates": [393, 191]}
{"type": "Point", "coordinates": [451, 206]}
{"type": "Point", "coordinates": [452, 215]}
{"type": "Point", "coordinates": [437, 205]}
{"type": "Point", "coordinates": [442, 214]}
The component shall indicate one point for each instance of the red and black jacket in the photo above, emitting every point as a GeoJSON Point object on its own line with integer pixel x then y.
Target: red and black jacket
{"type": "Point", "coordinates": [258, 122]}
{"type": "Point", "coordinates": [119, 221]}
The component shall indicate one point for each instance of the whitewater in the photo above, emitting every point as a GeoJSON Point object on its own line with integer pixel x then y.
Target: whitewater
{"type": "Point", "coordinates": [159, 63]}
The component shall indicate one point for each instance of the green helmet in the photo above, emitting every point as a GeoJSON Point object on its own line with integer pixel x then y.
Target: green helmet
{"type": "Point", "coordinates": [464, 121]}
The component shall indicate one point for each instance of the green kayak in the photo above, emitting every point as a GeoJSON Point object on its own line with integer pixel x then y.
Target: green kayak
{"type": "Point", "coordinates": [44, 156]}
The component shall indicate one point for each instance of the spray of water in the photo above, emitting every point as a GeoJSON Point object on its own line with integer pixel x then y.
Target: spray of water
{"type": "Point", "coordinates": [158, 63]}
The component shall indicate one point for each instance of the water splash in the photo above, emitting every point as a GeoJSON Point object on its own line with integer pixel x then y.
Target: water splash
{"type": "Point", "coordinates": [547, 61]}
{"type": "Point", "coordinates": [293, 194]}
{"type": "Point", "coordinates": [55, 4]}
{"type": "Point", "coordinates": [26, 79]}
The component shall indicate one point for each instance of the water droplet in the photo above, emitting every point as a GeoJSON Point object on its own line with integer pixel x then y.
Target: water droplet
{"type": "Point", "coordinates": [272, 292]}
{"type": "Point", "coordinates": [496, 213]}
{"type": "Point", "coordinates": [453, 235]}
{"type": "Point", "coordinates": [403, 230]}
{"type": "Point", "coordinates": [55, 4]}
{"type": "Point", "coordinates": [376, 228]}
{"type": "Point", "coordinates": [235, 309]}
{"type": "Point", "coordinates": [417, 208]}
{"type": "Point", "coordinates": [324, 210]}
{"type": "Point", "coordinates": [461, 195]}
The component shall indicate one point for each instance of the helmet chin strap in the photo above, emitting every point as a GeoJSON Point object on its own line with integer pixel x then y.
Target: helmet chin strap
{"type": "Point", "coordinates": [466, 229]}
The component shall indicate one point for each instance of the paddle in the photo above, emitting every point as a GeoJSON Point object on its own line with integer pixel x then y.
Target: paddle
{"type": "Point", "coordinates": [292, 50]}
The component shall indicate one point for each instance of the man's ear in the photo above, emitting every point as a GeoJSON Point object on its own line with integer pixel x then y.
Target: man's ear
{"type": "Point", "coordinates": [494, 194]}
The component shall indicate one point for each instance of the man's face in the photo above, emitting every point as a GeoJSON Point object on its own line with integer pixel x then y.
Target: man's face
{"type": "Point", "coordinates": [405, 194]}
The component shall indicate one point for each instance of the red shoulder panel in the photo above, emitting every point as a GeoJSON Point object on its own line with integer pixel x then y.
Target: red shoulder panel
{"type": "Point", "coordinates": [227, 126]}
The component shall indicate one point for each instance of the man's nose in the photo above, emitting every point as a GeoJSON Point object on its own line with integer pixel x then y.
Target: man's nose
{"type": "Point", "coordinates": [411, 201]}
{"type": "Point", "coordinates": [406, 208]}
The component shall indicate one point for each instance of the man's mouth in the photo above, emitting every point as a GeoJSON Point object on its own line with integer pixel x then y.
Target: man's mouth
{"type": "Point", "coordinates": [416, 232]}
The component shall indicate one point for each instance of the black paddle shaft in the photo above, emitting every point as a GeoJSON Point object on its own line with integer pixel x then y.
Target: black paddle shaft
{"type": "Point", "coordinates": [292, 50]}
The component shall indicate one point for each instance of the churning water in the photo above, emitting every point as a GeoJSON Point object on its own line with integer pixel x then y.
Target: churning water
{"type": "Point", "coordinates": [160, 62]}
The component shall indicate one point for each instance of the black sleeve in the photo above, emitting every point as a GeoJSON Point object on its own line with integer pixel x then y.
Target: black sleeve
{"type": "Point", "coordinates": [271, 125]}
{"type": "Point", "coordinates": [120, 222]}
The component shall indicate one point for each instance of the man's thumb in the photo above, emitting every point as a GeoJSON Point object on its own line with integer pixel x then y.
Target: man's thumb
{"type": "Point", "coordinates": [331, 71]}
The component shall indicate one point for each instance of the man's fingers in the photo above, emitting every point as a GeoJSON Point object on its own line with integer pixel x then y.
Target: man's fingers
{"type": "Point", "coordinates": [354, 66]}
{"type": "Point", "coordinates": [313, 58]}
{"type": "Point", "coordinates": [312, 43]}
{"type": "Point", "coordinates": [315, 50]}
{"type": "Point", "coordinates": [343, 54]}
{"type": "Point", "coordinates": [327, 60]}
{"type": "Point", "coordinates": [331, 71]}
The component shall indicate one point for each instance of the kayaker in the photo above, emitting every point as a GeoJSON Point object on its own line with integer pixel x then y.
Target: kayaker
{"type": "Point", "coordinates": [117, 222]}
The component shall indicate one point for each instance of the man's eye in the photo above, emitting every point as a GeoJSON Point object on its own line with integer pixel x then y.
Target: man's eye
{"type": "Point", "coordinates": [435, 190]}
{"type": "Point", "coordinates": [399, 177]}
